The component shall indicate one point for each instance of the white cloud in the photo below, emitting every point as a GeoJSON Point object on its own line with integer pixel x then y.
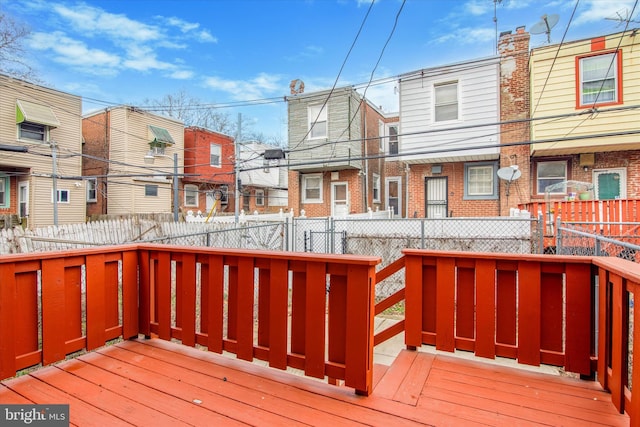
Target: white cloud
{"type": "Point", "coordinates": [467, 36]}
{"type": "Point", "coordinates": [256, 88]}
{"type": "Point", "coordinates": [182, 75]}
{"type": "Point", "coordinates": [75, 53]}
{"type": "Point", "coordinates": [184, 26]}
{"type": "Point", "coordinates": [598, 10]}
{"type": "Point", "coordinates": [478, 7]}
{"type": "Point", "coordinates": [143, 58]}
{"type": "Point", "coordinates": [93, 20]}
{"type": "Point", "coordinates": [205, 36]}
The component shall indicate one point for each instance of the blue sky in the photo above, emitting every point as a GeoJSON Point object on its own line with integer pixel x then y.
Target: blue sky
{"type": "Point", "coordinates": [232, 53]}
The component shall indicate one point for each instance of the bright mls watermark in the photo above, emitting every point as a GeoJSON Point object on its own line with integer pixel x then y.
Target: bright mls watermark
{"type": "Point", "coordinates": [34, 415]}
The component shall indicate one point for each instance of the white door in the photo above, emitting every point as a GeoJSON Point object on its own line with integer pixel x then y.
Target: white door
{"type": "Point", "coordinates": [339, 199]}
{"type": "Point", "coordinates": [394, 194]}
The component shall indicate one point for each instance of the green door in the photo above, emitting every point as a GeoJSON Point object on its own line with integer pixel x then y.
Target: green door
{"type": "Point", "coordinates": [608, 185]}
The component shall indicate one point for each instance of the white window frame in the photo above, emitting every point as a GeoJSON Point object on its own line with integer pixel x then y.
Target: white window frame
{"type": "Point", "coordinates": [215, 149]}
{"type": "Point", "coordinates": [45, 132]}
{"type": "Point", "coordinates": [381, 135]}
{"type": "Point", "coordinates": [392, 138]}
{"type": "Point", "coordinates": [614, 75]}
{"type": "Point", "coordinates": [375, 187]}
{"type": "Point", "coordinates": [489, 171]}
{"type": "Point", "coordinates": [191, 192]}
{"type": "Point", "coordinates": [437, 86]}
{"type": "Point", "coordinates": [305, 179]}
{"type": "Point", "coordinates": [92, 186]}
{"type": "Point", "coordinates": [259, 197]}
{"type": "Point", "coordinates": [5, 191]}
{"type": "Point", "coordinates": [558, 178]}
{"type": "Point", "coordinates": [60, 196]}
{"type": "Point", "coordinates": [23, 198]}
{"type": "Point", "coordinates": [317, 118]}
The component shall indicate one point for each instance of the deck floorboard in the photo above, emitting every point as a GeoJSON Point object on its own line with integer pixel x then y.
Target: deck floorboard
{"type": "Point", "coordinates": [155, 382]}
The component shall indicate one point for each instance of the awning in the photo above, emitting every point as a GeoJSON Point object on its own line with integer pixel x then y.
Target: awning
{"type": "Point", "coordinates": [35, 113]}
{"type": "Point", "coordinates": [160, 135]}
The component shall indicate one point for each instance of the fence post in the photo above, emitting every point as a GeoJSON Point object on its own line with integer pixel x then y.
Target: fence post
{"type": "Point", "coordinates": [540, 233]}
{"type": "Point", "coordinates": [330, 237]}
{"type": "Point", "coordinates": [597, 247]}
{"type": "Point", "coordinates": [422, 233]}
{"type": "Point", "coordinates": [558, 236]}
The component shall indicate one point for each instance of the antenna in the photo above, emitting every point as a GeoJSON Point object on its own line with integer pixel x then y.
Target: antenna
{"type": "Point", "coordinates": [545, 26]}
{"type": "Point", "coordinates": [509, 174]}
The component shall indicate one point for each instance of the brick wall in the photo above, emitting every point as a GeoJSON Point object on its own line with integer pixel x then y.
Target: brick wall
{"type": "Point", "coordinates": [96, 133]}
{"type": "Point", "coordinates": [514, 105]}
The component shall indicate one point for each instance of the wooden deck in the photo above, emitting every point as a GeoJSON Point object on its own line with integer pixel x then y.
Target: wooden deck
{"type": "Point", "coordinates": [156, 382]}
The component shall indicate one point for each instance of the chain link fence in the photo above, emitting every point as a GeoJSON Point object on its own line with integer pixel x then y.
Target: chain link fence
{"type": "Point", "coordinates": [619, 239]}
{"type": "Point", "coordinates": [386, 238]}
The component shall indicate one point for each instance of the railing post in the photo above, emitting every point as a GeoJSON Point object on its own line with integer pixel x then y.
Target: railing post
{"type": "Point", "coordinates": [558, 233]}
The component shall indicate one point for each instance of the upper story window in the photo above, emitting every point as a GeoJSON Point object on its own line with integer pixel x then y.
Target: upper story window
{"type": "Point", "coordinates": [317, 115]}
{"type": "Point", "coordinates": [446, 101]}
{"type": "Point", "coordinates": [92, 189]}
{"type": "Point", "coordinates": [160, 138]}
{"type": "Point", "coordinates": [480, 180]}
{"type": "Point", "coordinates": [312, 188]}
{"type": "Point", "coordinates": [600, 79]}
{"type": "Point", "coordinates": [151, 190]}
{"type": "Point", "coordinates": [34, 121]}
{"type": "Point", "coordinates": [392, 143]}
{"type": "Point", "coordinates": [550, 173]}
{"type": "Point", "coordinates": [215, 152]}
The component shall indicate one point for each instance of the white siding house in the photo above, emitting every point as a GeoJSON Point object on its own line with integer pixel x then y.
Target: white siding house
{"type": "Point", "coordinates": [450, 113]}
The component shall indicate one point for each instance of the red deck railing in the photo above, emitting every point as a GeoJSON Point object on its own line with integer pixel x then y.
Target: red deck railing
{"type": "Point", "coordinates": [316, 312]}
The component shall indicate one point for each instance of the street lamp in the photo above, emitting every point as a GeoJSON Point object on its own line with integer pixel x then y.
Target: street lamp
{"type": "Point", "coordinates": [149, 159]}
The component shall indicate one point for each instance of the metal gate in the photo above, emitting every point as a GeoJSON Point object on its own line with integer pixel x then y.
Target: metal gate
{"type": "Point", "coordinates": [436, 201]}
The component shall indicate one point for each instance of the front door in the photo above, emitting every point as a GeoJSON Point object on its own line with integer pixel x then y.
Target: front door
{"type": "Point", "coordinates": [436, 201]}
{"type": "Point", "coordinates": [610, 184]}
{"type": "Point", "coordinates": [23, 199]}
{"type": "Point", "coordinates": [394, 196]}
{"type": "Point", "coordinates": [339, 199]}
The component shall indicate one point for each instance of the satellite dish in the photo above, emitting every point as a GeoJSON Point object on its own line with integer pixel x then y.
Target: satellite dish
{"type": "Point", "coordinates": [545, 25]}
{"type": "Point", "coordinates": [509, 173]}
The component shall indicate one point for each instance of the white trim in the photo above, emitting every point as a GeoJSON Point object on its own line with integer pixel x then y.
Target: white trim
{"type": "Point", "coordinates": [21, 185]}
{"type": "Point", "coordinates": [306, 177]}
{"type": "Point", "coordinates": [387, 180]}
{"type": "Point", "coordinates": [333, 201]}
{"type": "Point", "coordinates": [623, 180]}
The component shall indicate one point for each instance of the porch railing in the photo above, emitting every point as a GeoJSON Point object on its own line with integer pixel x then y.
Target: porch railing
{"type": "Point", "coordinates": [316, 312]}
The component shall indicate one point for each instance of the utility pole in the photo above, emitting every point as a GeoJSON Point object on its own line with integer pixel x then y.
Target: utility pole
{"type": "Point", "coordinates": [175, 187]}
{"type": "Point", "coordinates": [237, 167]}
{"type": "Point", "coordinates": [54, 173]}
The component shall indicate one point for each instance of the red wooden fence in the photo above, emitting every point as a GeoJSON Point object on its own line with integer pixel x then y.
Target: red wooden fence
{"type": "Point", "coordinates": [316, 312]}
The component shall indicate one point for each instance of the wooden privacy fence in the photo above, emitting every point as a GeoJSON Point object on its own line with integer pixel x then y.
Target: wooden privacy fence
{"type": "Point", "coordinates": [197, 295]}
{"type": "Point", "coordinates": [316, 312]}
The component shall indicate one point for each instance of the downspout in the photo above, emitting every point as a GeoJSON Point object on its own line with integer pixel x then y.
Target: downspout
{"type": "Point", "coordinates": [407, 169]}
{"type": "Point", "coordinates": [107, 142]}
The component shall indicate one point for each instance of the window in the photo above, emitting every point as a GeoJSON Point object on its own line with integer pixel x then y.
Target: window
{"type": "Point", "coordinates": [214, 155]}
{"type": "Point", "coordinates": [392, 132]}
{"type": "Point", "coordinates": [191, 195]}
{"type": "Point", "coordinates": [23, 198]}
{"type": "Point", "coordinates": [446, 101]}
{"type": "Point", "coordinates": [159, 137]}
{"type": "Point", "coordinates": [600, 81]}
{"type": "Point", "coordinates": [312, 188]}
{"type": "Point", "coordinates": [259, 197]}
{"type": "Point", "coordinates": [376, 188]}
{"type": "Point", "coordinates": [481, 180]}
{"type": "Point", "coordinates": [92, 190]}
{"type": "Point", "coordinates": [4, 192]}
{"type": "Point", "coordinates": [34, 121]}
{"type": "Point", "coordinates": [317, 121]}
{"type": "Point", "coordinates": [63, 196]}
{"type": "Point", "coordinates": [32, 131]}
{"type": "Point", "coordinates": [550, 173]}
{"type": "Point", "coordinates": [151, 190]}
